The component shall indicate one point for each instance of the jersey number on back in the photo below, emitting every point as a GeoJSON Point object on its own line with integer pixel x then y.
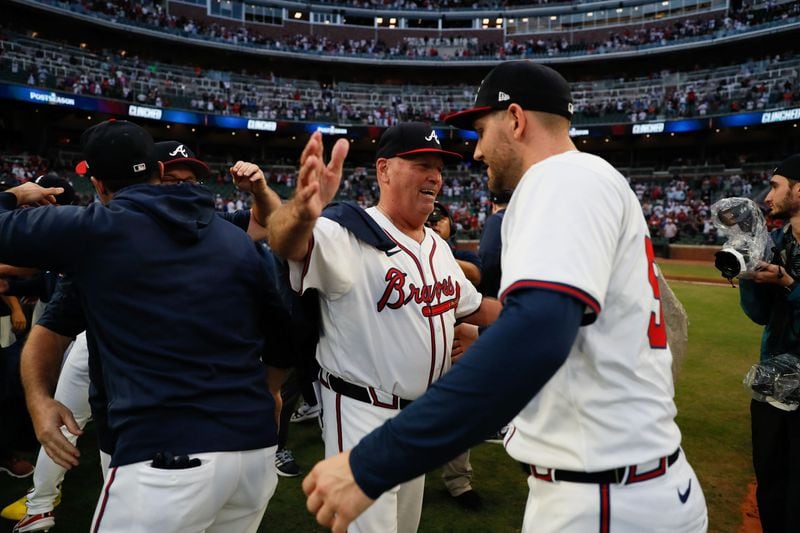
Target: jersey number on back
{"type": "Point", "coordinates": [657, 331]}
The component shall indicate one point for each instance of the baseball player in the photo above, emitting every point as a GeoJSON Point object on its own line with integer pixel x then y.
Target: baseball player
{"type": "Point", "coordinates": [579, 354]}
{"type": "Point", "coordinates": [193, 424]}
{"type": "Point", "coordinates": [457, 473]}
{"type": "Point", "coordinates": [390, 292]}
{"type": "Point", "coordinates": [34, 512]}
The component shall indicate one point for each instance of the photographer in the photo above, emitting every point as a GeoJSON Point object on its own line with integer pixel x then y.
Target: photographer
{"type": "Point", "coordinates": [771, 297]}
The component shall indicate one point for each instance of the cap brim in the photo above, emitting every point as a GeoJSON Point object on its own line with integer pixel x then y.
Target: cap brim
{"type": "Point", "coordinates": [82, 168]}
{"type": "Point", "coordinates": [444, 153]}
{"type": "Point", "coordinates": [464, 119]}
{"type": "Point", "coordinates": [201, 170]}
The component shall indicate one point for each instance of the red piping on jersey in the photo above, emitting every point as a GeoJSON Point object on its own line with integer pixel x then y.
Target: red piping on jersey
{"type": "Point", "coordinates": [439, 309]}
{"type": "Point", "coordinates": [339, 421]}
{"type": "Point", "coordinates": [605, 508]}
{"type": "Point", "coordinates": [558, 287]}
{"type": "Point", "coordinates": [306, 263]}
{"type": "Point", "coordinates": [430, 320]}
{"type": "Point", "coordinates": [105, 499]}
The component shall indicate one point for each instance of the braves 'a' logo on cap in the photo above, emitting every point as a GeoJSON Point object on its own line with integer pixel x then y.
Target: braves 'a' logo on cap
{"type": "Point", "coordinates": [433, 137]}
{"type": "Point", "coordinates": [502, 97]}
{"type": "Point", "coordinates": [179, 150]}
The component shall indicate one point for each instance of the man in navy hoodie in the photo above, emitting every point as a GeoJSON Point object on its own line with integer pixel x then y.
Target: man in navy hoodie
{"type": "Point", "coordinates": [192, 418]}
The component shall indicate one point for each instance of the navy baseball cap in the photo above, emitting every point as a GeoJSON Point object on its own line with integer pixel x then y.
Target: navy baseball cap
{"type": "Point", "coordinates": [176, 153]}
{"type": "Point", "coordinates": [7, 182]}
{"type": "Point", "coordinates": [533, 86]}
{"type": "Point", "coordinates": [789, 168]}
{"type": "Point", "coordinates": [439, 212]}
{"type": "Point", "coordinates": [118, 150]}
{"type": "Point", "coordinates": [54, 180]}
{"type": "Point", "coordinates": [409, 139]}
{"type": "Point", "coordinates": [501, 197]}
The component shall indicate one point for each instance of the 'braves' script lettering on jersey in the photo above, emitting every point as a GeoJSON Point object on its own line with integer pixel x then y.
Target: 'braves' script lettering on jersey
{"type": "Point", "coordinates": [397, 294]}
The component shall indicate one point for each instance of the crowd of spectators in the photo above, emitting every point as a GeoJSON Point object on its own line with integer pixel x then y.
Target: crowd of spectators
{"type": "Point", "coordinates": [680, 210]}
{"type": "Point", "coordinates": [152, 14]}
{"type": "Point", "coordinates": [429, 5]}
{"type": "Point", "coordinates": [766, 83]}
{"type": "Point", "coordinates": [677, 210]}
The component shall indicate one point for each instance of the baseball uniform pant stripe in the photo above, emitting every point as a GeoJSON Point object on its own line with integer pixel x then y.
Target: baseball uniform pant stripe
{"type": "Point", "coordinates": [339, 421]}
{"type": "Point", "coordinates": [605, 509]}
{"type": "Point", "coordinates": [102, 508]}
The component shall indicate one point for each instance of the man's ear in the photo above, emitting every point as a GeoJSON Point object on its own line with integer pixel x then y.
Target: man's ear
{"type": "Point", "coordinates": [518, 119]}
{"type": "Point", "coordinates": [381, 166]}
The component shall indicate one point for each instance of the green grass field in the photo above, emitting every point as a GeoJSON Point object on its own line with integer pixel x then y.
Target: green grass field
{"type": "Point", "coordinates": [713, 416]}
{"type": "Point", "coordinates": [706, 271]}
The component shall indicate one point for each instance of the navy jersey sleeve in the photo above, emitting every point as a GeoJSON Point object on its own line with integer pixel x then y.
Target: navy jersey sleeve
{"type": "Point", "coordinates": [277, 322]}
{"type": "Point", "coordinates": [489, 252]}
{"type": "Point", "coordinates": [469, 257]}
{"type": "Point", "coordinates": [64, 313]}
{"type": "Point", "coordinates": [494, 380]}
{"type": "Point", "coordinates": [240, 218]}
{"type": "Point", "coordinates": [48, 237]}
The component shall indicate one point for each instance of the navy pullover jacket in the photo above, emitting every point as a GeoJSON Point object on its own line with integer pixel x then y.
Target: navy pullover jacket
{"type": "Point", "coordinates": [180, 303]}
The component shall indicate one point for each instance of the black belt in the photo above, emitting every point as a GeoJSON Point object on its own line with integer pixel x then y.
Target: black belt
{"type": "Point", "coordinates": [362, 394]}
{"type": "Point", "coordinates": [615, 475]}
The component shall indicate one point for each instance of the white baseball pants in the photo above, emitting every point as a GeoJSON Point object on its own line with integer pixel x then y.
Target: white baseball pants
{"type": "Point", "coordinates": [345, 422]}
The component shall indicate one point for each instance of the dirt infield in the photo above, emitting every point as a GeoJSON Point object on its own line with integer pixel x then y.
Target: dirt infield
{"type": "Point", "coordinates": [750, 522]}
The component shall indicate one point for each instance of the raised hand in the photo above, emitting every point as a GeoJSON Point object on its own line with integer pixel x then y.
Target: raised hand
{"type": "Point", "coordinates": [248, 177]}
{"type": "Point", "coordinates": [317, 183]}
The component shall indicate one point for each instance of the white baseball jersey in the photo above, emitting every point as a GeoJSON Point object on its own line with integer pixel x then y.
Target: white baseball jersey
{"type": "Point", "coordinates": [575, 226]}
{"type": "Point", "coordinates": [387, 317]}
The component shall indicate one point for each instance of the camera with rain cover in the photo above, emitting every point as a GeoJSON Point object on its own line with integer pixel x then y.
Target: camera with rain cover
{"type": "Point", "coordinates": [748, 244]}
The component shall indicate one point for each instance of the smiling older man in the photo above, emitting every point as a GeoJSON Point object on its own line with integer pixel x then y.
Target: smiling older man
{"type": "Point", "coordinates": [390, 292]}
